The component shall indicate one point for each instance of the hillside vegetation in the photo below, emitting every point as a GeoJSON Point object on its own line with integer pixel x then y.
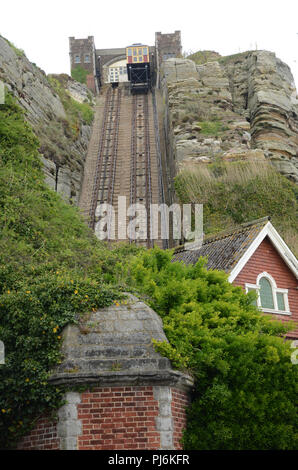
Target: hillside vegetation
{"type": "Point", "coordinates": [235, 193]}
{"type": "Point", "coordinates": [53, 270]}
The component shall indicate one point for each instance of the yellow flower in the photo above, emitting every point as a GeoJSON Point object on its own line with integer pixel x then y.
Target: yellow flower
{"type": "Point", "coordinates": [3, 411]}
{"type": "Point", "coordinates": [117, 305]}
{"type": "Point", "coordinates": [71, 281]}
{"type": "Point", "coordinates": [54, 330]}
{"type": "Point", "coordinates": [27, 380]}
{"type": "Point", "coordinates": [8, 291]}
{"type": "Point", "coordinates": [75, 291]}
{"type": "Point", "coordinates": [28, 292]}
{"type": "Point", "coordinates": [59, 337]}
{"type": "Point", "coordinates": [20, 423]}
{"type": "Point", "coordinates": [86, 296]}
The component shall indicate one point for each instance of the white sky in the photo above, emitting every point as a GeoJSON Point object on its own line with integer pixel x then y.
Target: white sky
{"type": "Point", "coordinates": [42, 28]}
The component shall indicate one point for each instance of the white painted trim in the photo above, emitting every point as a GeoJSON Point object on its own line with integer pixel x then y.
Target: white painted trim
{"type": "Point", "coordinates": [275, 290]}
{"type": "Point", "coordinates": [251, 286]}
{"type": "Point", "coordinates": [278, 243]}
{"type": "Point", "coordinates": [269, 277]}
{"type": "Point", "coordinates": [275, 312]}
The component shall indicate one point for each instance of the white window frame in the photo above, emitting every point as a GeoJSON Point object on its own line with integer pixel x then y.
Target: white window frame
{"type": "Point", "coordinates": [77, 59]}
{"type": "Point", "coordinates": [275, 290]}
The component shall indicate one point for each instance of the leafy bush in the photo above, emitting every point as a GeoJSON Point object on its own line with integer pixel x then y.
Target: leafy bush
{"type": "Point", "coordinates": [52, 269]}
{"type": "Point", "coordinates": [79, 74]}
{"type": "Point", "coordinates": [245, 384]}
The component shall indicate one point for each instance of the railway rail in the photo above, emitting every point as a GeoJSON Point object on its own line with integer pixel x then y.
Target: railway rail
{"type": "Point", "coordinates": [104, 178]}
{"type": "Point", "coordinates": [140, 174]}
{"type": "Point", "coordinates": [126, 162]}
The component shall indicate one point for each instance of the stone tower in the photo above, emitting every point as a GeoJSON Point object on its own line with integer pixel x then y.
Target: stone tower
{"type": "Point", "coordinates": [167, 46]}
{"type": "Point", "coordinates": [82, 53]}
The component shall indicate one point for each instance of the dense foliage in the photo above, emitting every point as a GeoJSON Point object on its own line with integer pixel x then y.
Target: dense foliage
{"type": "Point", "coordinates": [245, 384]}
{"type": "Point", "coordinates": [79, 74]}
{"type": "Point", "coordinates": [51, 270]}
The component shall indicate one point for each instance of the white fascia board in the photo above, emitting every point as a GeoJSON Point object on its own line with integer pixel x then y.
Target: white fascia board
{"type": "Point", "coordinates": [278, 243]}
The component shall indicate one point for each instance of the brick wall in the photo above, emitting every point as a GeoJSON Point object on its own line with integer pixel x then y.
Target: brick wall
{"type": "Point", "coordinates": [180, 401]}
{"type": "Point", "coordinates": [267, 259]}
{"type": "Point", "coordinates": [118, 418]}
{"type": "Point", "coordinates": [42, 437]}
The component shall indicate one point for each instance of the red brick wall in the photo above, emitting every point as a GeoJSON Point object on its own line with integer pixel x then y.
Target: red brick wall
{"type": "Point", "coordinates": [120, 418]}
{"type": "Point", "coordinates": [117, 418]}
{"type": "Point", "coordinates": [42, 437]}
{"type": "Point", "coordinates": [267, 259]}
{"type": "Point", "coordinates": [180, 401]}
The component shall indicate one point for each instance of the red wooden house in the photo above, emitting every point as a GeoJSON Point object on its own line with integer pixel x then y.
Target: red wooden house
{"type": "Point", "coordinates": [256, 258]}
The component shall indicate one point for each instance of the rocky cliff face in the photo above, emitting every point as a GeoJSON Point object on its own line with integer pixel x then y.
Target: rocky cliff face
{"type": "Point", "coordinates": [232, 108]}
{"type": "Point", "coordinates": [63, 150]}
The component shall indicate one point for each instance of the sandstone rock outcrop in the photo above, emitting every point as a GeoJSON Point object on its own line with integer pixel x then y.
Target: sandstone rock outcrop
{"type": "Point", "coordinates": [226, 108]}
{"type": "Point", "coordinates": [63, 154]}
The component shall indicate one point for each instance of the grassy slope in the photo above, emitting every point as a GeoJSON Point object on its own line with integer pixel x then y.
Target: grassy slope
{"type": "Point", "coordinates": [234, 193]}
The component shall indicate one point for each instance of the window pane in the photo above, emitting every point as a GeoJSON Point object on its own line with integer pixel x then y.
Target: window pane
{"type": "Point", "coordinates": [145, 51]}
{"type": "Point", "coordinates": [266, 294]}
{"type": "Point", "coordinates": [129, 52]}
{"type": "Point", "coordinates": [250, 289]}
{"type": "Point", "coordinates": [280, 301]}
{"type": "Point", "coordinates": [134, 51]}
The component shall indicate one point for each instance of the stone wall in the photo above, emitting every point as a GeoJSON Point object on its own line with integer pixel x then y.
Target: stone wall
{"type": "Point", "coordinates": [168, 45]}
{"type": "Point", "coordinates": [133, 397]}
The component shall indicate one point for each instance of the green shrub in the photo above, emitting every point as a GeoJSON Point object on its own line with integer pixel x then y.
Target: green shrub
{"type": "Point", "coordinates": [52, 269]}
{"type": "Point", "coordinates": [79, 74]}
{"type": "Point", "coordinates": [245, 384]}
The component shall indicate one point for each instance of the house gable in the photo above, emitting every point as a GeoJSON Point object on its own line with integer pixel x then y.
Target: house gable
{"type": "Point", "coordinates": [267, 259]}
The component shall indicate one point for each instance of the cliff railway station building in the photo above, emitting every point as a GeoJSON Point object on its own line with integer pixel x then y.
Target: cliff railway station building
{"type": "Point", "coordinates": [109, 65]}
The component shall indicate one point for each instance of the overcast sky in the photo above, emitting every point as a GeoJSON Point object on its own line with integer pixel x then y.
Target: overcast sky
{"type": "Point", "coordinates": [42, 28]}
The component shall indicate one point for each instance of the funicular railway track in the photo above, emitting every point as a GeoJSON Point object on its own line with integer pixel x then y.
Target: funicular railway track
{"type": "Point", "coordinates": [140, 166]}
{"type": "Point", "coordinates": [124, 160]}
{"type": "Point", "coordinates": [105, 170]}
